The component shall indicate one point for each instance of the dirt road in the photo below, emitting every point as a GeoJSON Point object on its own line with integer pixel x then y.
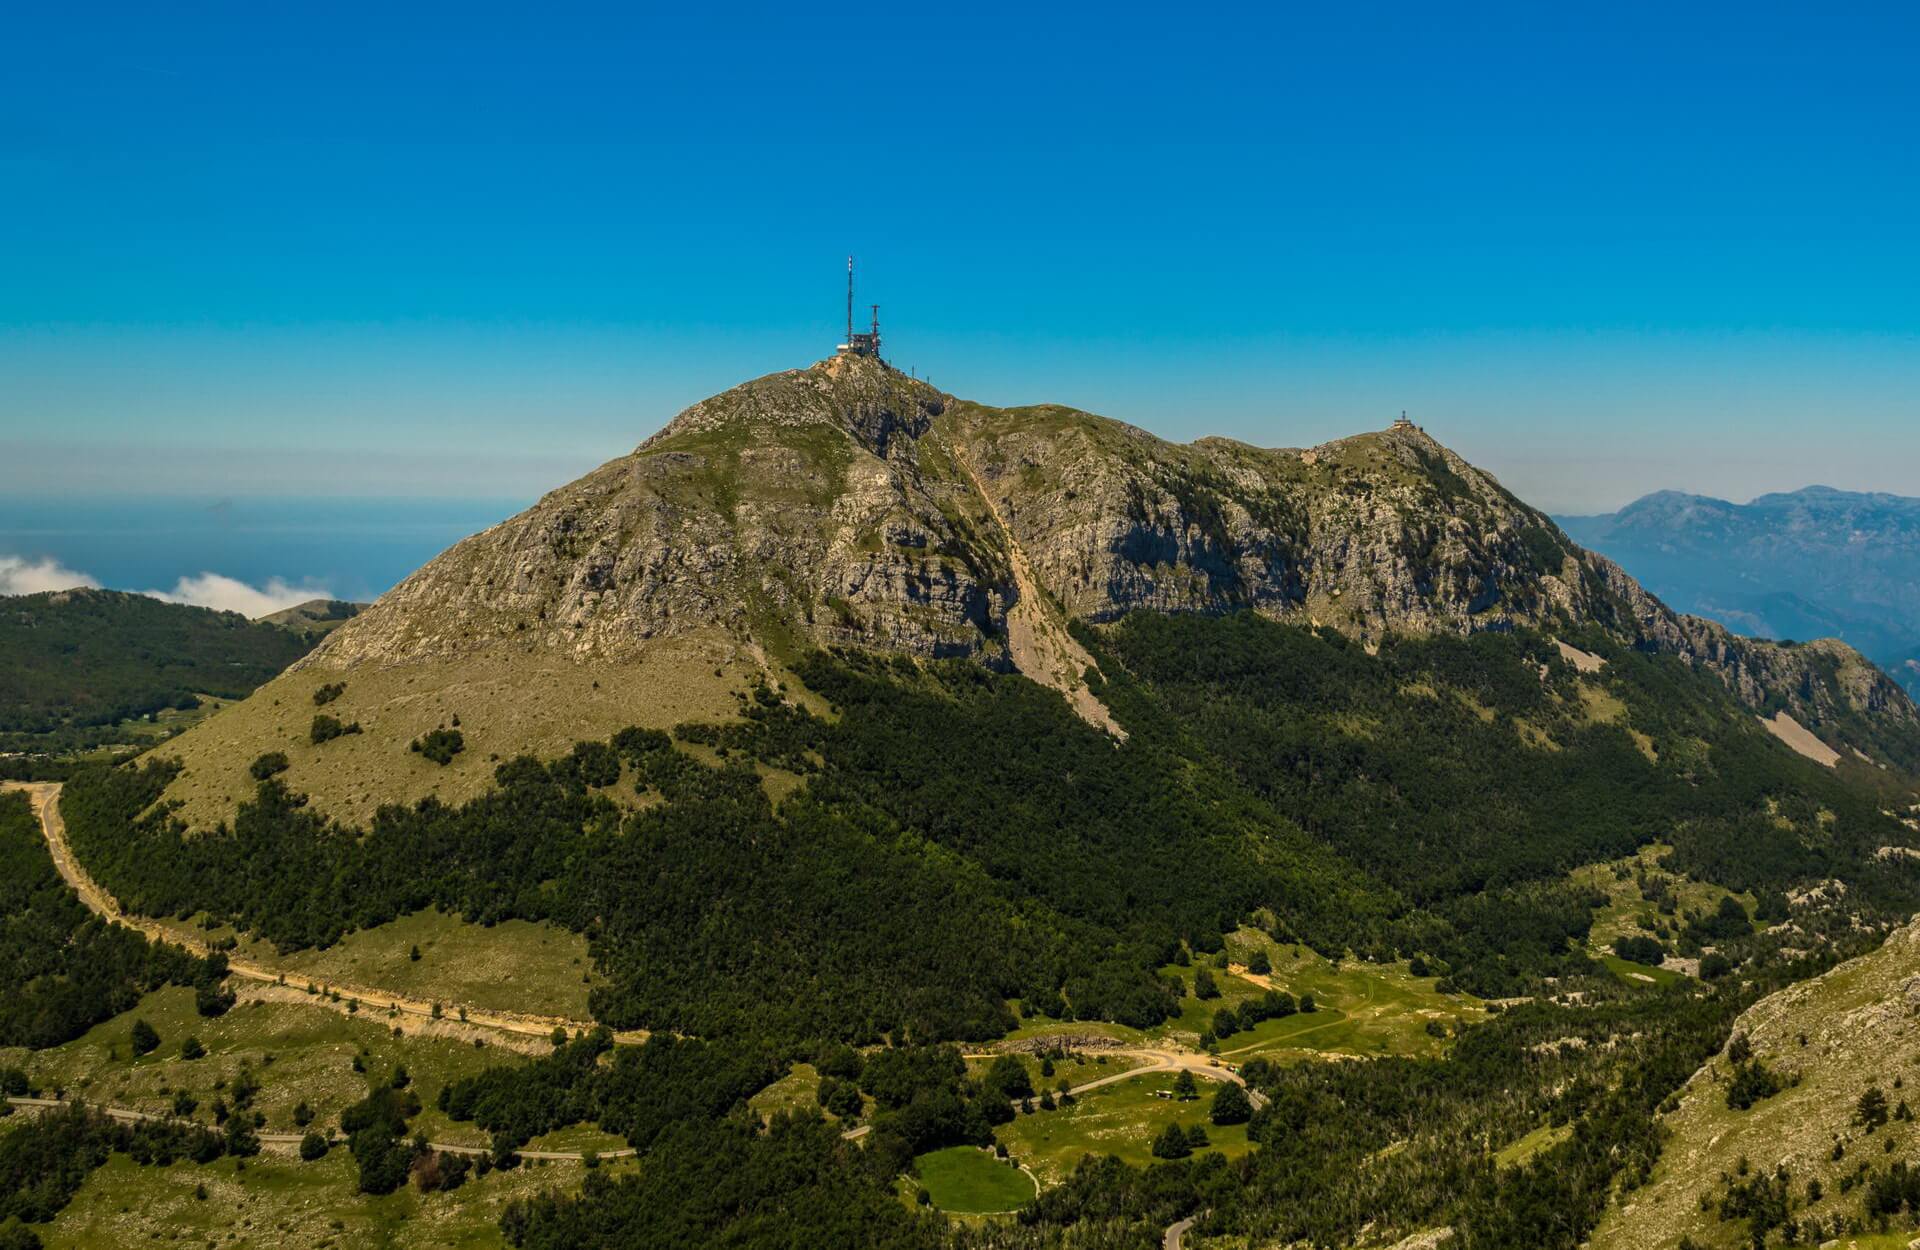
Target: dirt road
{"type": "Point", "coordinates": [1156, 1061]}
{"type": "Point", "coordinates": [45, 797]}
{"type": "Point", "coordinates": [291, 1141]}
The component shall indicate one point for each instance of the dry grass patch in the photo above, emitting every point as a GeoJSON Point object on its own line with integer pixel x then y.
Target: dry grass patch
{"type": "Point", "coordinates": [508, 702]}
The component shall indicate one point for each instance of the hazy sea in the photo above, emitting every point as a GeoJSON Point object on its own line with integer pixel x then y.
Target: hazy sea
{"type": "Point", "coordinates": [354, 548]}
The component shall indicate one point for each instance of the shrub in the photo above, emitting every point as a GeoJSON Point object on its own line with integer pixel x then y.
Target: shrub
{"type": "Point", "coordinates": [211, 999]}
{"type": "Point", "coordinates": [313, 1146]}
{"type": "Point", "coordinates": [271, 764]}
{"type": "Point", "coordinates": [328, 693]}
{"type": "Point", "coordinates": [145, 1040]}
{"type": "Point", "coordinates": [327, 728]}
{"type": "Point", "coordinates": [440, 745]}
{"type": "Point", "coordinates": [192, 1049]}
{"type": "Point", "coordinates": [1639, 949]}
{"type": "Point", "coordinates": [1752, 1082]}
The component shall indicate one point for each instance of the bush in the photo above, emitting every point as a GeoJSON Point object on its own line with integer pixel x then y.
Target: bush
{"type": "Point", "coordinates": [326, 729]}
{"type": "Point", "coordinates": [313, 1146]}
{"type": "Point", "coordinates": [269, 765]}
{"type": "Point", "coordinates": [211, 999]}
{"type": "Point", "coordinates": [1260, 965]}
{"type": "Point", "coordinates": [440, 746]}
{"type": "Point", "coordinates": [1752, 1082]}
{"type": "Point", "coordinates": [192, 1049]}
{"type": "Point", "coordinates": [328, 693]}
{"type": "Point", "coordinates": [1639, 950]}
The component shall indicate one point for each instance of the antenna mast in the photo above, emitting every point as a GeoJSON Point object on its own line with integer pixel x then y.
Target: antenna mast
{"type": "Point", "coordinates": [866, 343]}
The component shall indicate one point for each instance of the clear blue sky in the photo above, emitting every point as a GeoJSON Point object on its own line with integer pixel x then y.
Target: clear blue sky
{"type": "Point", "coordinates": [471, 251]}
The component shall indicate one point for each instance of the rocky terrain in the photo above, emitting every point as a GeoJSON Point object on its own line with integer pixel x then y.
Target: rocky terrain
{"type": "Point", "coordinates": [1829, 1039]}
{"type": "Point", "coordinates": [848, 505]}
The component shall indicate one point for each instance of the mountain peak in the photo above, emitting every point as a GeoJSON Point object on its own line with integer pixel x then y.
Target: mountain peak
{"type": "Point", "coordinates": [849, 505]}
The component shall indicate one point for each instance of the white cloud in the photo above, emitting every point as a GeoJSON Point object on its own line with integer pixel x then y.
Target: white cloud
{"type": "Point", "coordinates": [228, 594]}
{"type": "Point", "coordinates": [20, 576]}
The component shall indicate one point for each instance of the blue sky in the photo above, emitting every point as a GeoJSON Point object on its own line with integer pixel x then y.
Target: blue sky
{"type": "Point", "coordinates": [466, 252]}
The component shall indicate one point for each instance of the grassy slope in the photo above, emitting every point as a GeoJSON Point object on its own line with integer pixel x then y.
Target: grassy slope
{"type": "Point", "coordinates": [970, 1181]}
{"type": "Point", "coordinates": [507, 701]}
{"type": "Point", "coordinates": [1629, 913]}
{"type": "Point", "coordinates": [275, 1201]}
{"type": "Point", "coordinates": [1859, 1032]}
{"type": "Point", "coordinates": [312, 1053]}
{"type": "Point", "coordinates": [515, 965]}
{"type": "Point", "coordinates": [1364, 1009]}
{"type": "Point", "coordinates": [1120, 1119]}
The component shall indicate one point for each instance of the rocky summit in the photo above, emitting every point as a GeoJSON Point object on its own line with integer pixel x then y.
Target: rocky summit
{"type": "Point", "coordinates": [848, 505]}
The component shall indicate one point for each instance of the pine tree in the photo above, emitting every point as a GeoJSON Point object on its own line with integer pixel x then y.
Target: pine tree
{"type": "Point", "coordinates": [1171, 1143]}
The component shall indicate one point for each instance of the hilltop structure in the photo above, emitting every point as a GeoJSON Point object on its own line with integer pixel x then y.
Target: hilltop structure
{"type": "Point", "coordinates": [867, 344]}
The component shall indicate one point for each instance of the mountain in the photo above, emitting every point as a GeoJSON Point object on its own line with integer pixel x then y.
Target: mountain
{"type": "Point", "coordinates": [1807, 1157]}
{"type": "Point", "coordinates": [315, 618]}
{"type": "Point", "coordinates": [1337, 752]}
{"type": "Point", "coordinates": [847, 505]}
{"type": "Point", "coordinates": [1810, 563]}
{"type": "Point", "coordinates": [75, 663]}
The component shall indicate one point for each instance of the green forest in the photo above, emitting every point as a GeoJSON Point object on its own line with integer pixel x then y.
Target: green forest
{"type": "Point", "coordinates": [963, 855]}
{"type": "Point", "coordinates": [62, 969]}
{"type": "Point", "coordinates": [85, 660]}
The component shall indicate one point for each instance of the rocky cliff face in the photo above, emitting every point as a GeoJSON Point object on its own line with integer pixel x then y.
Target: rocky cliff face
{"type": "Point", "coordinates": [846, 504]}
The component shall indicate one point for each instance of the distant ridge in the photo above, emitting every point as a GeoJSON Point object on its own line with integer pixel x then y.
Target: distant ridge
{"type": "Point", "coordinates": [1815, 562]}
{"type": "Point", "coordinates": [316, 617]}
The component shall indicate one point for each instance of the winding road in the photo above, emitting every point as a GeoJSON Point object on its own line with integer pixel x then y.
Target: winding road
{"type": "Point", "coordinates": [45, 797]}
{"type": "Point", "coordinates": [291, 1141]}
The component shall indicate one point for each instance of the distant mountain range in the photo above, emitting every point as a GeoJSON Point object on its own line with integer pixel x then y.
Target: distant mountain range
{"type": "Point", "coordinates": [1810, 563]}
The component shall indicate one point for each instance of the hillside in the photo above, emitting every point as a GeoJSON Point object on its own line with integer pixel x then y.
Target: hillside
{"type": "Point", "coordinates": [315, 618]}
{"type": "Point", "coordinates": [877, 747]}
{"type": "Point", "coordinates": [1808, 1163]}
{"type": "Point", "coordinates": [848, 505]}
{"type": "Point", "coordinates": [1810, 563]}
{"type": "Point", "coordinates": [76, 663]}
